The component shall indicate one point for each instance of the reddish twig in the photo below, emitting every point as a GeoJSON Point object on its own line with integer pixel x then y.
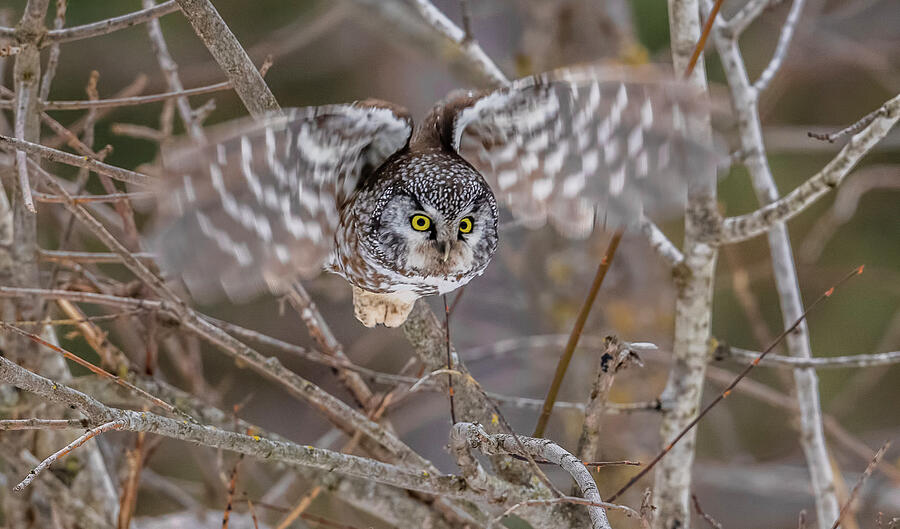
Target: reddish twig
{"type": "Point", "coordinates": [727, 391]}
{"type": "Point", "coordinates": [252, 510]}
{"type": "Point", "coordinates": [232, 485]}
{"type": "Point", "coordinates": [709, 519]}
{"type": "Point", "coordinates": [701, 43]}
{"type": "Point", "coordinates": [865, 475]}
{"type": "Point", "coordinates": [92, 368]}
{"type": "Point", "coordinates": [566, 357]}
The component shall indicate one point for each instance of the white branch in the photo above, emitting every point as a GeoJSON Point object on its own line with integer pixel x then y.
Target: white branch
{"type": "Point", "coordinates": [781, 49]}
{"type": "Point", "coordinates": [829, 362]}
{"type": "Point", "coordinates": [743, 18]}
{"type": "Point", "coordinates": [457, 37]}
{"type": "Point", "coordinates": [812, 436]}
{"type": "Point", "coordinates": [743, 227]}
{"type": "Point", "coordinates": [694, 279]}
{"type": "Point", "coordinates": [660, 243]}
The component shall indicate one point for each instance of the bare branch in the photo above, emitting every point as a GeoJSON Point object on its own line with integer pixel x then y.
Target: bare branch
{"type": "Point", "coordinates": [25, 103]}
{"type": "Point", "coordinates": [781, 49]}
{"type": "Point", "coordinates": [321, 333]}
{"type": "Point", "coordinates": [458, 38]}
{"type": "Point", "coordinates": [812, 436]}
{"type": "Point", "coordinates": [255, 445]}
{"type": "Point", "coordinates": [694, 279]}
{"type": "Point", "coordinates": [749, 12]}
{"type": "Point", "coordinates": [709, 519]}
{"type": "Point", "coordinates": [736, 229]}
{"type": "Point", "coordinates": [105, 27]}
{"type": "Point", "coordinates": [59, 21]}
{"type": "Point", "coordinates": [87, 436]}
{"type": "Point", "coordinates": [852, 128]}
{"type": "Point", "coordinates": [829, 362]}
{"type": "Point", "coordinates": [616, 357]}
{"type": "Point", "coordinates": [129, 101]}
{"type": "Point", "coordinates": [862, 479]}
{"type": "Point", "coordinates": [42, 424]}
{"type": "Point", "coordinates": [660, 243]}
{"type": "Point", "coordinates": [227, 51]}
{"type": "Point", "coordinates": [170, 72]}
{"type": "Point", "coordinates": [475, 437]}
{"type": "Point", "coordinates": [116, 173]}
{"type": "Point", "coordinates": [82, 199]}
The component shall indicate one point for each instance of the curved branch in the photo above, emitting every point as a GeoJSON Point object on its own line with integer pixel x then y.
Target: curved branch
{"type": "Point", "coordinates": [467, 436]}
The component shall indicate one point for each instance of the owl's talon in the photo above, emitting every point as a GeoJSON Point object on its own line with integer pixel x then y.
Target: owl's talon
{"type": "Point", "coordinates": [390, 309]}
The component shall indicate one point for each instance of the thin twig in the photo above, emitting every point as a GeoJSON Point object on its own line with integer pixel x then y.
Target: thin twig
{"type": "Point", "coordinates": [59, 21]}
{"type": "Point", "coordinates": [563, 364]}
{"type": "Point", "coordinates": [724, 350]}
{"type": "Point", "coordinates": [105, 27]}
{"type": "Point", "coordinates": [54, 155]}
{"type": "Point", "coordinates": [450, 31]}
{"type": "Point", "coordinates": [94, 369]}
{"type": "Point", "coordinates": [42, 424]}
{"type": "Point", "coordinates": [90, 434]}
{"type": "Point", "coordinates": [781, 49]}
{"type": "Point", "coordinates": [704, 35]}
{"type": "Point", "coordinates": [857, 126]}
{"type": "Point", "coordinates": [89, 257]}
{"type": "Point", "coordinates": [727, 391]}
{"type": "Point", "coordinates": [865, 475]}
{"type": "Point", "coordinates": [232, 485]}
{"type": "Point", "coordinates": [709, 519]}
{"type": "Point", "coordinates": [117, 102]}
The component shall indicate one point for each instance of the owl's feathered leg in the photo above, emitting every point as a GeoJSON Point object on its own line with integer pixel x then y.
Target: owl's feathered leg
{"type": "Point", "coordinates": [391, 309]}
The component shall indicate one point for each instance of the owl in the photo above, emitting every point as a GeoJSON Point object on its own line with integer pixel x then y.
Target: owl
{"type": "Point", "coordinates": [403, 211]}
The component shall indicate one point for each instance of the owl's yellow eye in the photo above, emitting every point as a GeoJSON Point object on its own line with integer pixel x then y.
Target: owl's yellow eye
{"type": "Point", "coordinates": [465, 225]}
{"type": "Point", "coordinates": [420, 222]}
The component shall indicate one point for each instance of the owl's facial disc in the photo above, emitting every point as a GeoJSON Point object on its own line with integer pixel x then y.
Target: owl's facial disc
{"type": "Point", "coordinates": [426, 241]}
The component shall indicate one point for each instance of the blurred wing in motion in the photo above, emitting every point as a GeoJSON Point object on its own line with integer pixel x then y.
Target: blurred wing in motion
{"type": "Point", "coordinates": [257, 204]}
{"type": "Point", "coordinates": [585, 146]}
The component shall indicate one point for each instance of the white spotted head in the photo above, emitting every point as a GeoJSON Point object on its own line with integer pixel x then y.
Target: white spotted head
{"type": "Point", "coordinates": [434, 216]}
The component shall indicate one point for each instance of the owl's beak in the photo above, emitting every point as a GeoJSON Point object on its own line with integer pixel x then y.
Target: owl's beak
{"type": "Point", "coordinates": [444, 249]}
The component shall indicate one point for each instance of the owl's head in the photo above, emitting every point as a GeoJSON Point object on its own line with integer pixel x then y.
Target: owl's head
{"type": "Point", "coordinates": [438, 218]}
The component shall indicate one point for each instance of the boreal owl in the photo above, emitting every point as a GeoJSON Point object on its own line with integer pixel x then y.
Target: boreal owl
{"type": "Point", "coordinates": [403, 211]}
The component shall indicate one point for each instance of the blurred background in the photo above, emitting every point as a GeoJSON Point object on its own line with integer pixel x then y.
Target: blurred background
{"type": "Point", "coordinates": [750, 471]}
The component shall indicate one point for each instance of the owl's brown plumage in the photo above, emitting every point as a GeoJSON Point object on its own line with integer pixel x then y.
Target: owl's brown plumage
{"type": "Point", "coordinates": [403, 212]}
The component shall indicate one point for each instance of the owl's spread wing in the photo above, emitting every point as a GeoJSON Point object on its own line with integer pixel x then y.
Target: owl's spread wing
{"type": "Point", "coordinates": [585, 146]}
{"type": "Point", "coordinates": [258, 202]}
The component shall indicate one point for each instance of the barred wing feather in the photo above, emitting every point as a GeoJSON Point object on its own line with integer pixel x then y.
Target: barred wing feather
{"type": "Point", "coordinates": [586, 146]}
{"type": "Point", "coordinates": [257, 204]}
